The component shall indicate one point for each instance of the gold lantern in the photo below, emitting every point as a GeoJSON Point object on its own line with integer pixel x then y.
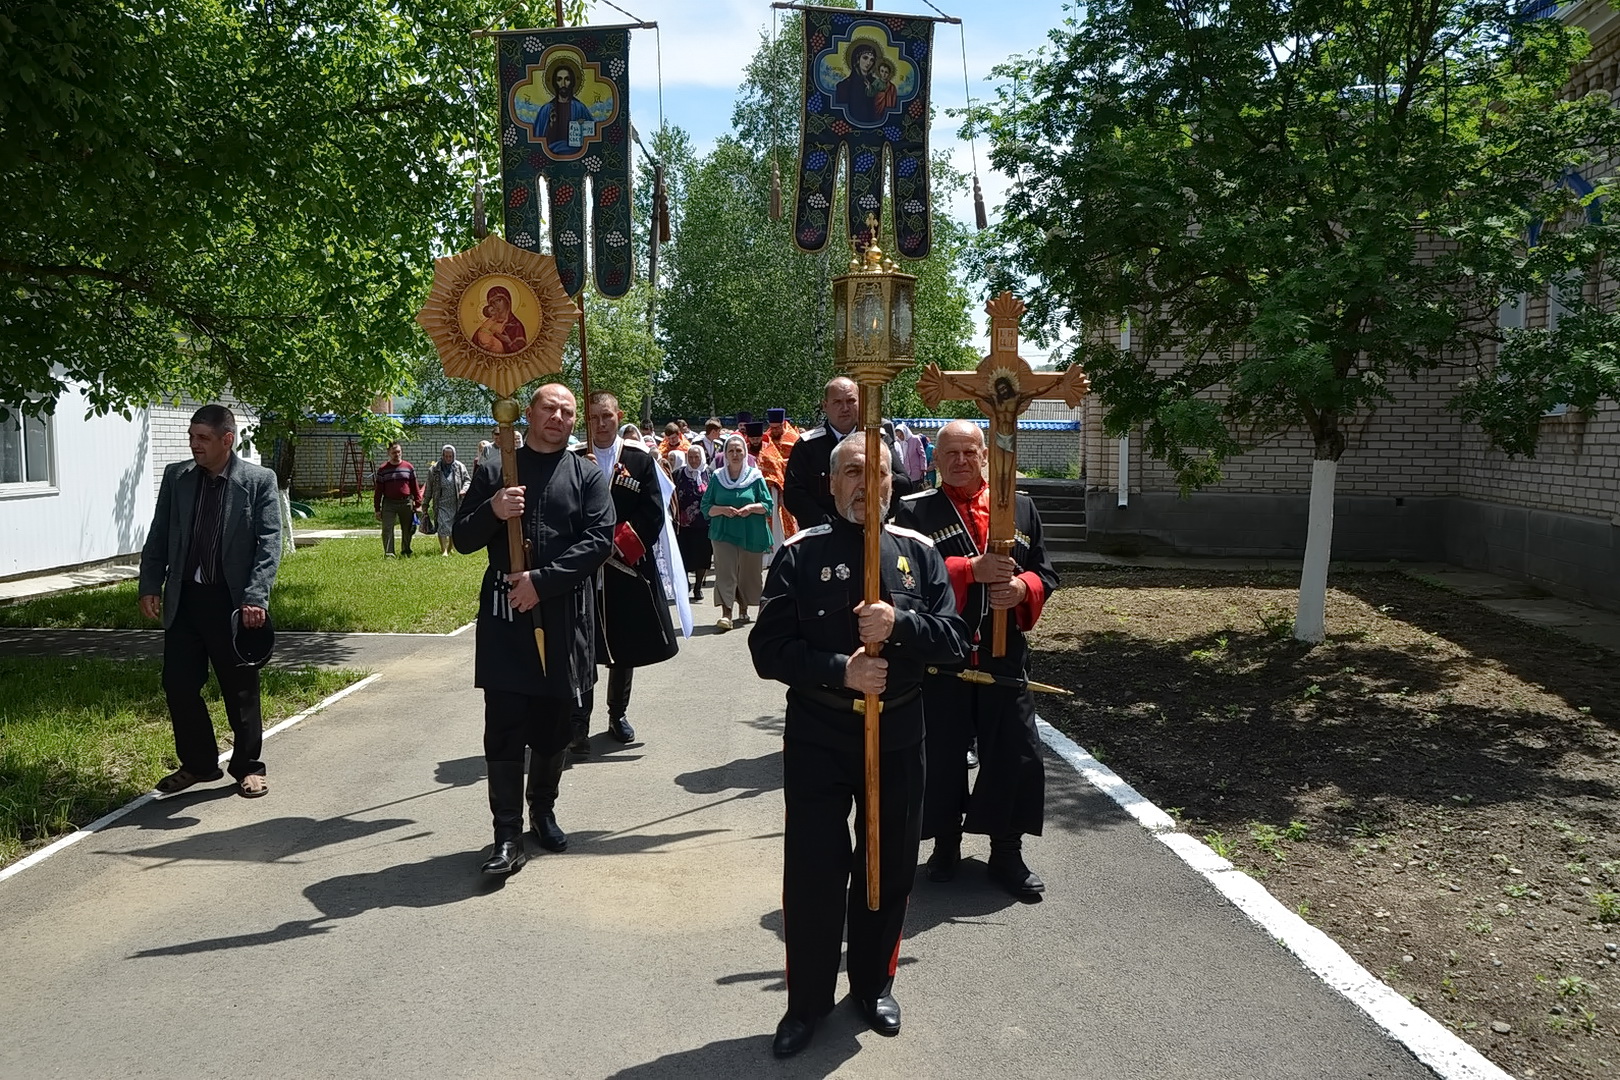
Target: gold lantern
{"type": "Point", "coordinates": [874, 306]}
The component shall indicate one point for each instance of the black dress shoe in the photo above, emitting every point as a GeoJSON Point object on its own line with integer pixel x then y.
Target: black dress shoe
{"type": "Point", "coordinates": [549, 835]}
{"type": "Point", "coordinates": [1011, 874]}
{"type": "Point", "coordinates": [883, 1014]}
{"type": "Point", "coordinates": [973, 756]}
{"type": "Point", "coordinates": [947, 854]}
{"type": "Point", "coordinates": [620, 730]}
{"type": "Point", "coordinates": [581, 746]}
{"type": "Point", "coordinates": [792, 1035]}
{"type": "Point", "coordinates": [507, 858]}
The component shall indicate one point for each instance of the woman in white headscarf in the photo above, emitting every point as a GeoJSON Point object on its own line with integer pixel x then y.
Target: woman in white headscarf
{"type": "Point", "coordinates": [691, 523]}
{"type": "Point", "coordinates": [447, 482]}
{"type": "Point", "coordinates": [738, 504]}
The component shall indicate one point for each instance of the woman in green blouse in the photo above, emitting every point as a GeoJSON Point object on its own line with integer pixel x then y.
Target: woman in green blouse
{"type": "Point", "coordinates": [737, 503]}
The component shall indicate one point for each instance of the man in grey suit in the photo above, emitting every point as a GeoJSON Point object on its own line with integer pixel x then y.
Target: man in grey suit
{"type": "Point", "coordinates": [212, 551]}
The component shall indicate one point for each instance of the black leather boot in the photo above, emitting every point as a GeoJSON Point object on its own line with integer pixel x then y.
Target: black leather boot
{"type": "Point", "coordinates": [506, 806]}
{"type": "Point", "coordinates": [947, 854]}
{"type": "Point", "coordinates": [1007, 869]}
{"type": "Point", "coordinates": [581, 745]}
{"type": "Point", "coordinates": [545, 775]}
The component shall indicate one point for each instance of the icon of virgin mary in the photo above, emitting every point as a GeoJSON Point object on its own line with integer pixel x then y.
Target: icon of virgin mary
{"type": "Point", "coordinates": [501, 332]}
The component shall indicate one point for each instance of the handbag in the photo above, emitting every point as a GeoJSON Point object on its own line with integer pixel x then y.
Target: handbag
{"type": "Point", "coordinates": [428, 524]}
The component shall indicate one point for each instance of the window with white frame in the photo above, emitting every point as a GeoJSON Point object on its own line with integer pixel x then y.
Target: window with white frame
{"type": "Point", "coordinates": [25, 451]}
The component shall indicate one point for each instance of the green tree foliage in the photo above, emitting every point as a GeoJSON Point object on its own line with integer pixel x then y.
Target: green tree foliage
{"type": "Point", "coordinates": [215, 193]}
{"type": "Point", "coordinates": [746, 317]}
{"type": "Point", "coordinates": [1260, 188]}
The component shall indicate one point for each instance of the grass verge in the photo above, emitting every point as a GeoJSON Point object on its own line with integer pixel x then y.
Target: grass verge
{"type": "Point", "coordinates": [337, 585]}
{"type": "Point", "coordinates": [79, 737]}
{"type": "Point", "coordinates": [339, 514]}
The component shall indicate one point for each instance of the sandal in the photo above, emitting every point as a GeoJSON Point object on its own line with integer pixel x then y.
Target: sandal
{"type": "Point", "coordinates": [252, 786]}
{"type": "Point", "coordinates": [181, 779]}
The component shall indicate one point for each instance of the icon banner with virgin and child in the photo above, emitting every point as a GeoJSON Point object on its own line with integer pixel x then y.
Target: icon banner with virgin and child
{"type": "Point", "coordinates": [565, 116]}
{"type": "Point", "coordinates": [865, 88]}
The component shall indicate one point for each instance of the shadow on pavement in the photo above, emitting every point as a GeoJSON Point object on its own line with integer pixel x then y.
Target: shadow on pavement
{"type": "Point", "coordinates": [752, 776]}
{"type": "Point", "coordinates": [270, 840]}
{"type": "Point", "coordinates": [834, 1044]}
{"type": "Point", "coordinates": [626, 842]}
{"type": "Point", "coordinates": [434, 882]}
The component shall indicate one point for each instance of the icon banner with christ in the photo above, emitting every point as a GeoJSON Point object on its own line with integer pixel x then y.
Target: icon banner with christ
{"type": "Point", "coordinates": [565, 116]}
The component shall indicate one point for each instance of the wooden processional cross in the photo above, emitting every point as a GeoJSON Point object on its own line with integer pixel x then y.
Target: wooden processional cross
{"type": "Point", "coordinates": [1004, 385]}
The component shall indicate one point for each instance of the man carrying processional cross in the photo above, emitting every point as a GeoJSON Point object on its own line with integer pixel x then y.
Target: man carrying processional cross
{"type": "Point", "coordinates": [990, 537]}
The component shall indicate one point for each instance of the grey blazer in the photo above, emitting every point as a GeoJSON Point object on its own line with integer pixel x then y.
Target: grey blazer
{"type": "Point", "coordinates": [251, 550]}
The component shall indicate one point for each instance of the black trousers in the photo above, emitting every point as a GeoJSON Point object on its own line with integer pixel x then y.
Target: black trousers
{"type": "Point", "coordinates": [199, 635]}
{"type": "Point", "coordinates": [618, 697]}
{"type": "Point", "coordinates": [515, 722]}
{"type": "Point", "coordinates": [1009, 797]}
{"type": "Point", "coordinates": [824, 875]}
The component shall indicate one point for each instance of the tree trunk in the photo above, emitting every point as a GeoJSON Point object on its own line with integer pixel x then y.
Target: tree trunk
{"type": "Point", "coordinates": [286, 457]}
{"type": "Point", "coordinates": [1310, 622]}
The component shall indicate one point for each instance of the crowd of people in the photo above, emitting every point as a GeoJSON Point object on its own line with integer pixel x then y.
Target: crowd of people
{"type": "Point", "coordinates": [728, 508]}
{"type": "Point", "coordinates": [778, 516]}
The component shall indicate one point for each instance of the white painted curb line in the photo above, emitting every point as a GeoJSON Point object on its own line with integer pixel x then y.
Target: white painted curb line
{"type": "Point", "coordinates": [1430, 1041]}
{"type": "Point", "coordinates": [151, 796]}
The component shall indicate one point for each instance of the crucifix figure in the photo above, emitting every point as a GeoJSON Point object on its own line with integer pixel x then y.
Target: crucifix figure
{"type": "Point", "coordinates": [1003, 384]}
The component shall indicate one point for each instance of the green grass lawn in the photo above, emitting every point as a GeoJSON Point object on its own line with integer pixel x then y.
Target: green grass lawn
{"type": "Point", "coordinates": [339, 514]}
{"type": "Point", "coordinates": [335, 585]}
{"type": "Point", "coordinates": [79, 737]}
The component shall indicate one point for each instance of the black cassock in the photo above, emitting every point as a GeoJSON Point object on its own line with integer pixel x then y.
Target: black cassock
{"type": "Point", "coordinates": [1009, 796]}
{"type": "Point", "coordinates": [806, 631]}
{"type": "Point", "coordinates": [568, 520]}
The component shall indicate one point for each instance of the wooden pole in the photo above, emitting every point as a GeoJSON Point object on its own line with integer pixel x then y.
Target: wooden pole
{"type": "Point", "coordinates": [584, 355]}
{"type": "Point", "coordinates": [506, 412]}
{"type": "Point", "coordinates": [871, 405]}
{"type": "Point", "coordinates": [1003, 518]}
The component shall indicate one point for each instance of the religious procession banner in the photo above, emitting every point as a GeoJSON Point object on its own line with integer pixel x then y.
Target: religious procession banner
{"type": "Point", "coordinates": [865, 88]}
{"type": "Point", "coordinates": [565, 116]}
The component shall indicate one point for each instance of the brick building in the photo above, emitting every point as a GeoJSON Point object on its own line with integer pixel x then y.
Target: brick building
{"type": "Point", "coordinates": [1415, 482]}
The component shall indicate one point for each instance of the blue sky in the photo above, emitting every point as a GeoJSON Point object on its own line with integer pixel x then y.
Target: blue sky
{"type": "Point", "coordinates": [705, 44]}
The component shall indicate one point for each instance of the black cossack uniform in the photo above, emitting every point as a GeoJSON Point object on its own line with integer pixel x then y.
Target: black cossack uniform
{"type": "Point", "coordinates": [806, 631]}
{"type": "Point", "coordinates": [633, 626]}
{"type": "Point", "coordinates": [805, 491]}
{"type": "Point", "coordinates": [568, 523]}
{"type": "Point", "coordinates": [1009, 796]}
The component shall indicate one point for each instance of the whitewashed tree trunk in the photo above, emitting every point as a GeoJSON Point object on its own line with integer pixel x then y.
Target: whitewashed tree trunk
{"type": "Point", "coordinates": [1310, 620]}
{"type": "Point", "coordinates": [287, 546]}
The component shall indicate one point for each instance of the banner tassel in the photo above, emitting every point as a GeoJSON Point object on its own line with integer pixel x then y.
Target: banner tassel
{"type": "Point", "coordinates": [776, 191]}
{"type": "Point", "coordinates": [979, 217]}
{"type": "Point", "coordinates": [480, 222]}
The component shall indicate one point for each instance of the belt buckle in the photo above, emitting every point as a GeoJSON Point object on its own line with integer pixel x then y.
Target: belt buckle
{"type": "Point", "coordinates": [859, 705]}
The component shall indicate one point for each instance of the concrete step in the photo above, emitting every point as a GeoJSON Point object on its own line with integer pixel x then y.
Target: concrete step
{"type": "Point", "coordinates": [1055, 533]}
{"type": "Point", "coordinates": [1062, 517]}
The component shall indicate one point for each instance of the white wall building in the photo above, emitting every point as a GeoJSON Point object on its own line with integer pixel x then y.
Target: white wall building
{"type": "Point", "coordinates": [77, 490]}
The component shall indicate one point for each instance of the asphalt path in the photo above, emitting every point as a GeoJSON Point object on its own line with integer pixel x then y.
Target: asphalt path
{"type": "Point", "coordinates": [340, 927]}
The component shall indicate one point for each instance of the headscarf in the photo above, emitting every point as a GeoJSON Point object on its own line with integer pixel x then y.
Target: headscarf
{"type": "Point", "coordinates": [696, 472]}
{"type": "Point", "coordinates": [722, 468]}
{"type": "Point", "coordinates": [447, 469]}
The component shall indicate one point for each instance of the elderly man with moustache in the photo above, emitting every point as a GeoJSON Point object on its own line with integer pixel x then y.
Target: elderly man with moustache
{"type": "Point", "coordinates": [1008, 799]}
{"type": "Point", "coordinates": [813, 624]}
